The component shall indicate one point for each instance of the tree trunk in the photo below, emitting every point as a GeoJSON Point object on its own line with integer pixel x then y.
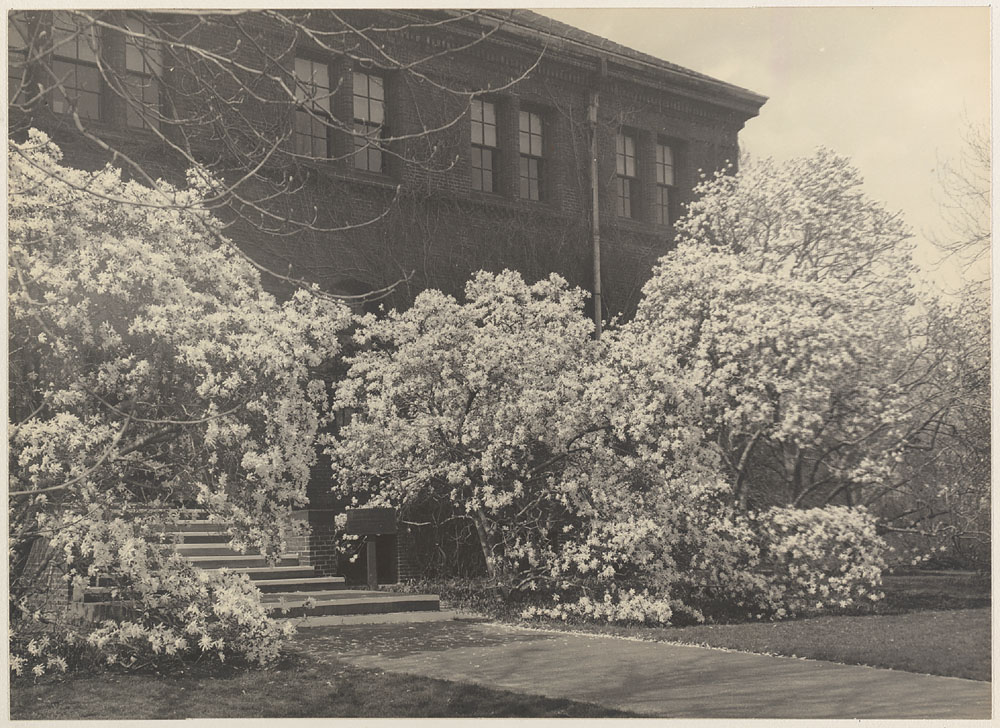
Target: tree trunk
{"type": "Point", "coordinates": [487, 542]}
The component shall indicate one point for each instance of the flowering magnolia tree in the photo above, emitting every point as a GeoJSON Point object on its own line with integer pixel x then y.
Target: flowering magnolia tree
{"type": "Point", "coordinates": [788, 302]}
{"type": "Point", "coordinates": [148, 369]}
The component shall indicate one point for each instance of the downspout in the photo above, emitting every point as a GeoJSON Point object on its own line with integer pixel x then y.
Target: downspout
{"type": "Point", "coordinates": [595, 213]}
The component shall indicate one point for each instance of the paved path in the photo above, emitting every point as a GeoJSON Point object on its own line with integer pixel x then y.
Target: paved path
{"type": "Point", "coordinates": [654, 679]}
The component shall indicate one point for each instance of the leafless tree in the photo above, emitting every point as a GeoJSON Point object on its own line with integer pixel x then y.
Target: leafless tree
{"type": "Point", "coordinates": [251, 102]}
{"type": "Point", "coordinates": [965, 197]}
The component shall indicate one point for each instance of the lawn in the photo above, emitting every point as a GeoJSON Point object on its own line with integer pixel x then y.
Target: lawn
{"type": "Point", "coordinates": [292, 691]}
{"type": "Point", "coordinates": [938, 624]}
{"type": "Point", "coordinates": [953, 643]}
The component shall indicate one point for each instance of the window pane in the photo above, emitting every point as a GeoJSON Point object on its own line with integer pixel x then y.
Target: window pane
{"type": "Point", "coordinates": [489, 113]}
{"type": "Point", "coordinates": [477, 132]}
{"type": "Point", "coordinates": [665, 204]}
{"type": "Point", "coordinates": [375, 89]}
{"type": "Point", "coordinates": [360, 152]}
{"type": "Point", "coordinates": [477, 110]}
{"type": "Point", "coordinates": [668, 155]}
{"type": "Point", "coordinates": [377, 111]}
{"type": "Point", "coordinates": [17, 43]}
{"type": "Point", "coordinates": [524, 142]}
{"type": "Point", "coordinates": [361, 84]}
{"type": "Point", "coordinates": [490, 135]}
{"type": "Point", "coordinates": [17, 32]}
{"type": "Point", "coordinates": [360, 108]}
{"type": "Point", "coordinates": [321, 78]}
{"type": "Point", "coordinates": [142, 90]}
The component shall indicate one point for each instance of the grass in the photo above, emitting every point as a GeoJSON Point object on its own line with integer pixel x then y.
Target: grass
{"type": "Point", "coordinates": [953, 643]}
{"type": "Point", "coordinates": [290, 691]}
{"type": "Point", "coordinates": [938, 624]}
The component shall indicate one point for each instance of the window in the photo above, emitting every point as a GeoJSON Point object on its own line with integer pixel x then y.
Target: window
{"type": "Point", "coordinates": [312, 96]}
{"type": "Point", "coordinates": [625, 178]}
{"type": "Point", "coordinates": [369, 121]}
{"type": "Point", "coordinates": [664, 182]}
{"type": "Point", "coordinates": [76, 80]}
{"type": "Point", "coordinates": [484, 145]}
{"type": "Point", "coordinates": [143, 62]}
{"type": "Point", "coordinates": [531, 155]}
{"type": "Point", "coordinates": [17, 56]}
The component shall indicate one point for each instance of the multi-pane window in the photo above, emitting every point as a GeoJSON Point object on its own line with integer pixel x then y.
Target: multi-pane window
{"type": "Point", "coordinates": [17, 56]}
{"type": "Point", "coordinates": [625, 178]}
{"type": "Point", "coordinates": [143, 62]}
{"type": "Point", "coordinates": [312, 98]}
{"type": "Point", "coordinates": [75, 79]}
{"type": "Point", "coordinates": [531, 155]}
{"type": "Point", "coordinates": [664, 182]}
{"type": "Point", "coordinates": [484, 145]}
{"type": "Point", "coordinates": [369, 121]}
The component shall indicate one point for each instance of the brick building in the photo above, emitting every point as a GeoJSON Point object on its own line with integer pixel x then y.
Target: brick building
{"type": "Point", "coordinates": [363, 149]}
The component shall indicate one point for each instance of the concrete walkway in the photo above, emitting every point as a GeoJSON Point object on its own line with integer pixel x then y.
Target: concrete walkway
{"type": "Point", "coordinates": [654, 679]}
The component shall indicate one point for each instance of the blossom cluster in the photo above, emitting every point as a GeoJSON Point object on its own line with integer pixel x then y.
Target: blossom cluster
{"type": "Point", "coordinates": [822, 558]}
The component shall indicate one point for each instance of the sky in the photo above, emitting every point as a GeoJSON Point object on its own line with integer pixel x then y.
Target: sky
{"type": "Point", "coordinates": [892, 88]}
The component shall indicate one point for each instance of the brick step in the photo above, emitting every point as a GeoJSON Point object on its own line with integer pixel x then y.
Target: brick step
{"type": "Point", "coordinates": [208, 549]}
{"type": "Point", "coordinates": [269, 573]}
{"type": "Point", "coordinates": [290, 579]}
{"type": "Point", "coordinates": [293, 596]}
{"type": "Point", "coordinates": [242, 561]}
{"type": "Point", "coordinates": [309, 583]}
{"type": "Point", "coordinates": [217, 537]}
{"type": "Point", "coordinates": [195, 524]}
{"type": "Point", "coordinates": [357, 602]}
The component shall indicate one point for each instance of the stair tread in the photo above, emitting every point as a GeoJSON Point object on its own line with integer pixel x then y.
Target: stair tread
{"type": "Point", "coordinates": [305, 580]}
{"type": "Point", "coordinates": [235, 557]}
{"type": "Point", "coordinates": [348, 597]}
{"type": "Point", "coordinates": [268, 597]}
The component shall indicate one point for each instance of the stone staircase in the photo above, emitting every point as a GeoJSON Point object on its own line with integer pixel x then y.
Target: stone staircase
{"type": "Point", "coordinates": [289, 588]}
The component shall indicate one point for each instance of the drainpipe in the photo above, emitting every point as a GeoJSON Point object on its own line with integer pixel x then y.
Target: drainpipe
{"type": "Point", "coordinates": [595, 223]}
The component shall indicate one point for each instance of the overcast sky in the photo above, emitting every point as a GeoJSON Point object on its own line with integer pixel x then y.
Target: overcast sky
{"type": "Point", "coordinates": [890, 87]}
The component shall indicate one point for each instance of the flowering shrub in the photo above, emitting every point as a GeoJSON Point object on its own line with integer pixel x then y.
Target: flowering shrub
{"type": "Point", "coordinates": [580, 479]}
{"type": "Point", "coordinates": [39, 654]}
{"type": "Point", "coordinates": [149, 368]}
{"type": "Point", "coordinates": [171, 612]}
{"type": "Point", "coordinates": [821, 558]}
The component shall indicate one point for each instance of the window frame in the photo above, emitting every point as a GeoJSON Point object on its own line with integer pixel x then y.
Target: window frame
{"type": "Point", "coordinates": [366, 129]}
{"type": "Point", "coordinates": [529, 156]}
{"type": "Point", "coordinates": [626, 182]}
{"type": "Point", "coordinates": [149, 74]}
{"type": "Point", "coordinates": [78, 39]}
{"type": "Point", "coordinates": [665, 190]}
{"type": "Point", "coordinates": [308, 107]}
{"type": "Point", "coordinates": [19, 27]}
{"type": "Point", "coordinates": [480, 149]}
